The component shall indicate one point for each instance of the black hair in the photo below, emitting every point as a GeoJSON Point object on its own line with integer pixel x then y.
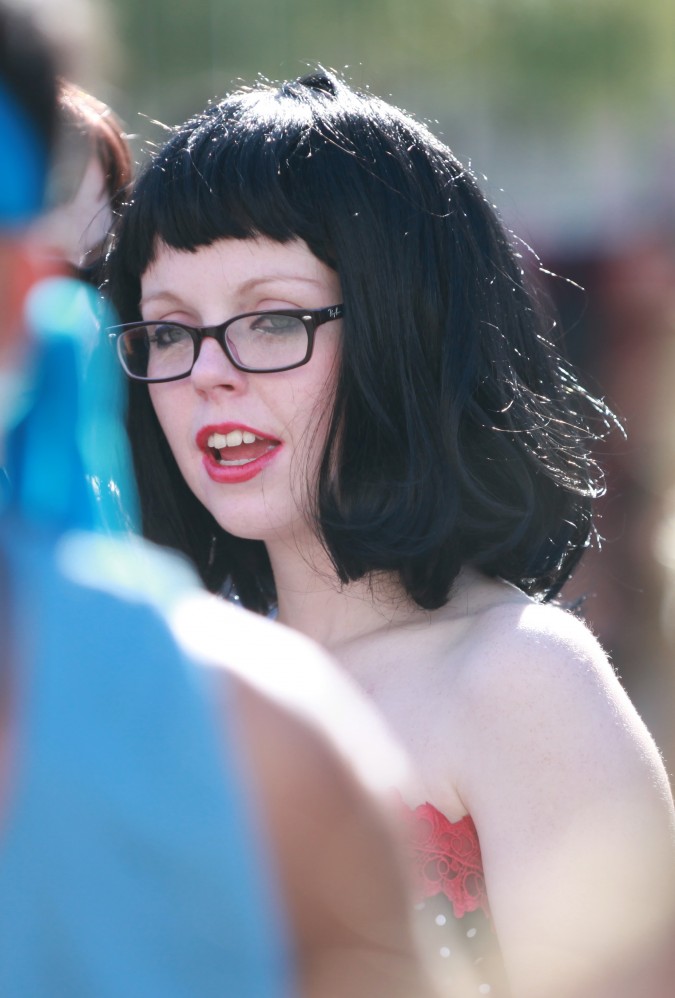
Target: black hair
{"type": "Point", "coordinates": [458, 436]}
{"type": "Point", "coordinates": [28, 70]}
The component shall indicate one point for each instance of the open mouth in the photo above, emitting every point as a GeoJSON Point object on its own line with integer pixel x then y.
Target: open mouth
{"type": "Point", "coordinates": [238, 447]}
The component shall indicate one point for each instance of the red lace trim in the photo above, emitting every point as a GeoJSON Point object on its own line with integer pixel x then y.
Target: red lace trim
{"type": "Point", "coordinates": [446, 858]}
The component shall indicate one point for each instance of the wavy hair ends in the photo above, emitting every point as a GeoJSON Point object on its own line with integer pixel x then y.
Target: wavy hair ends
{"type": "Point", "coordinates": [458, 435]}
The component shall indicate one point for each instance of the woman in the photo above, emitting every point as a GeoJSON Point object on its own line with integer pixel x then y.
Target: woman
{"type": "Point", "coordinates": [344, 406]}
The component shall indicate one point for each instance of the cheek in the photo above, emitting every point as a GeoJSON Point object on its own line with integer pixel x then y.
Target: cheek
{"type": "Point", "coordinates": [169, 406]}
{"type": "Point", "coordinates": [312, 407]}
{"type": "Point", "coordinates": [157, 404]}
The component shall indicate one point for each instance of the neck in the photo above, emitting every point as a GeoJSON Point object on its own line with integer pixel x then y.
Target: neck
{"type": "Point", "coordinates": [312, 600]}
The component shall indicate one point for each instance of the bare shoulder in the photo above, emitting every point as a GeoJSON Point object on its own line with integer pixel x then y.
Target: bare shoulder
{"type": "Point", "coordinates": [517, 663]}
{"type": "Point", "coordinates": [515, 644]}
{"type": "Point", "coordinates": [538, 698]}
{"type": "Point", "coordinates": [569, 795]}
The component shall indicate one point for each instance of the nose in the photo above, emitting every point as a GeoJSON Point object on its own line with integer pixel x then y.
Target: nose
{"type": "Point", "coordinates": [214, 370]}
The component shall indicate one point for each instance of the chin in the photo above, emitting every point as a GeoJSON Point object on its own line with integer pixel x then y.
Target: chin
{"type": "Point", "coordinates": [266, 527]}
{"type": "Point", "coordinates": [263, 515]}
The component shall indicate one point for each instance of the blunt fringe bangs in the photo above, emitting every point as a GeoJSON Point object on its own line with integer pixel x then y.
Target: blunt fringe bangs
{"type": "Point", "coordinates": [458, 435]}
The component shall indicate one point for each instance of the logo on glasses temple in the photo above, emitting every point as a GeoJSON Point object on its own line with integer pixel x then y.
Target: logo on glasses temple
{"type": "Point", "coordinates": [335, 312]}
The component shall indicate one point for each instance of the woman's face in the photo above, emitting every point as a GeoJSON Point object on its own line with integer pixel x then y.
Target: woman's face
{"type": "Point", "coordinates": [254, 488]}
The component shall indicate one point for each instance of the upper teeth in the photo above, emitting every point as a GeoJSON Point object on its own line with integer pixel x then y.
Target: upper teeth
{"type": "Point", "coordinates": [232, 439]}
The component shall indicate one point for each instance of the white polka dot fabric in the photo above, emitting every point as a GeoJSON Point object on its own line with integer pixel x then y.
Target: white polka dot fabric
{"type": "Point", "coordinates": [463, 952]}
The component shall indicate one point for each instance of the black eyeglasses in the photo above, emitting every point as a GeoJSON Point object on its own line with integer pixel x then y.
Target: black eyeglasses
{"type": "Point", "coordinates": [259, 342]}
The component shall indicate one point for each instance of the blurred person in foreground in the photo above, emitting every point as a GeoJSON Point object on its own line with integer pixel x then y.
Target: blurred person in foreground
{"type": "Point", "coordinates": [167, 827]}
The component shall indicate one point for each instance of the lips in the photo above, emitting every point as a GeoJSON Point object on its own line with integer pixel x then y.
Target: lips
{"type": "Point", "coordinates": [235, 453]}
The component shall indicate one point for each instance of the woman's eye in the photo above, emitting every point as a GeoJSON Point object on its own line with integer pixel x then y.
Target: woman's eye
{"type": "Point", "coordinates": [275, 323]}
{"type": "Point", "coordinates": [166, 334]}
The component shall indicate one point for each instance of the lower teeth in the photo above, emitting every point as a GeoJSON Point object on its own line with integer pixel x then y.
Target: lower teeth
{"type": "Point", "coordinates": [232, 462]}
{"type": "Point", "coordinates": [235, 463]}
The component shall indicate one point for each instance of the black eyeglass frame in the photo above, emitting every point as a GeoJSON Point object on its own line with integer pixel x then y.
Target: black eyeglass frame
{"type": "Point", "coordinates": [310, 318]}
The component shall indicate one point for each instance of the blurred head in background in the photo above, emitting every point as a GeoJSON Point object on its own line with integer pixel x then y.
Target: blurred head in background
{"type": "Point", "coordinates": [92, 170]}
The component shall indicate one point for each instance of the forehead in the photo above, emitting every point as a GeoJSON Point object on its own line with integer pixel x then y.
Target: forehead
{"type": "Point", "coordinates": [235, 266]}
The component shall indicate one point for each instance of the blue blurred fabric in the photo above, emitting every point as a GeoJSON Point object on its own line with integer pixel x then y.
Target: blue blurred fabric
{"type": "Point", "coordinates": [67, 460]}
{"type": "Point", "coordinates": [131, 859]}
{"type": "Point", "coordinates": [23, 165]}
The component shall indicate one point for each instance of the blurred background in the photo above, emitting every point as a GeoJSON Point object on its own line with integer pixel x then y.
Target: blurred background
{"type": "Point", "coordinates": [563, 108]}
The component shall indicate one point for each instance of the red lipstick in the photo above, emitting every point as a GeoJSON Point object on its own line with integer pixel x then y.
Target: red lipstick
{"type": "Point", "coordinates": [235, 453]}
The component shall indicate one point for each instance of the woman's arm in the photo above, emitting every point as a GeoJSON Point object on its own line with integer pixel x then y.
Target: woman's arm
{"type": "Point", "coordinates": [573, 809]}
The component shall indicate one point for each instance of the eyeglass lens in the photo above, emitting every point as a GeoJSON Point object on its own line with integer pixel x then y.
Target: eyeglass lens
{"type": "Point", "coordinates": [259, 342]}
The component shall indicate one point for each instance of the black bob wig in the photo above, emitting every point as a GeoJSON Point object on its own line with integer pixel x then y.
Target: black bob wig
{"type": "Point", "coordinates": [458, 435]}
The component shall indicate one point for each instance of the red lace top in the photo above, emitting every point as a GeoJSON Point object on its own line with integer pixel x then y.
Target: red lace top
{"type": "Point", "coordinates": [451, 911]}
{"type": "Point", "coordinates": [446, 858]}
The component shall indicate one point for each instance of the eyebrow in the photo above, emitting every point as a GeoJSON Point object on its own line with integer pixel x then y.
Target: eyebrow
{"type": "Point", "coordinates": [161, 296]}
{"type": "Point", "coordinates": [249, 285]}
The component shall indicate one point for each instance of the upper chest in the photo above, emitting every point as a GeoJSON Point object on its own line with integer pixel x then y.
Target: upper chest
{"type": "Point", "coordinates": [411, 674]}
{"type": "Point", "coordinates": [419, 676]}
